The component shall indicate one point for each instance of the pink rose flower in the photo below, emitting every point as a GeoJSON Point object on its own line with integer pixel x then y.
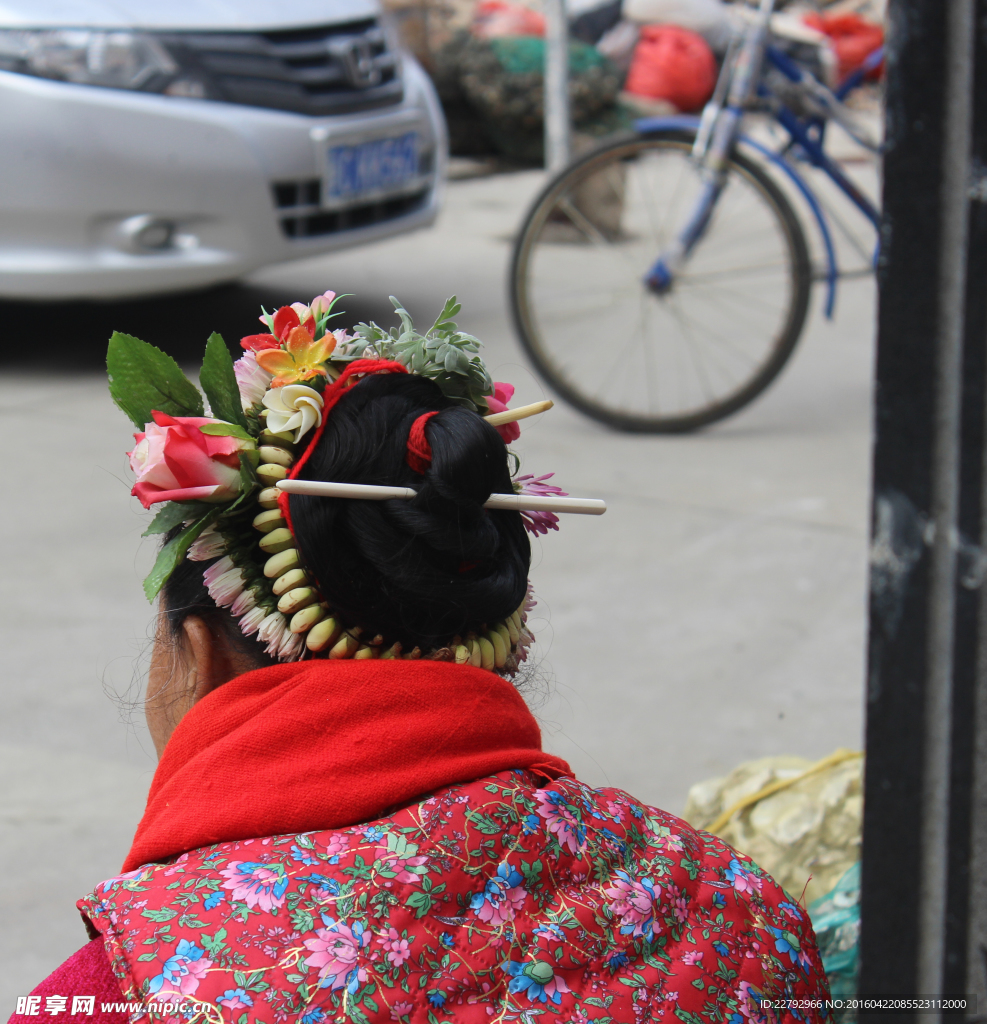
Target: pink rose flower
{"type": "Point", "coordinates": [634, 902]}
{"type": "Point", "coordinates": [401, 866]}
{"type": "Point", "coordinates": [401, 1010]}
{"type": "Point", "coordinates": [560, 820]}
{"type": "Point", "coordinates": [497, 402]}
{"type": "Point", "coordinates": [742, 879]}
{"type": "Point", "coordinates": [256, 884]}
{"type": "Point", "coordinates": [335, 952]}
{"type": "Point", "coordinates": [337, 844]}
{"type": "Point", "coordinates": [174, 461]}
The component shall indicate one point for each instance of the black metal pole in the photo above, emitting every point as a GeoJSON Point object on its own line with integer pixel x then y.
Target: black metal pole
{"type": "Point", "coordinates": [927, 657]}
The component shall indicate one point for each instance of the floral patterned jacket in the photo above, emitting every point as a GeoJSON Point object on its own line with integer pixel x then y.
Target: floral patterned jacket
{"type": "Point", "coordinates": [494, 900]}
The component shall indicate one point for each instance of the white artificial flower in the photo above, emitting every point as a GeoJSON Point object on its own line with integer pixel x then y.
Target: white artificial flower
{"type": "Point", "coordinates": [226, 588]}
{"type": "Point", "coordinates": [292, 647]}
{"type": "Point", "coordinates": [208, 544]}
{"type": "Point", "coordinates": [251, 380]}
{"type": "Point", "coordinates": [294, 407]}
{"type": "Point", "coordinates": [216, 570]}
{"type": "Point", "coordinates": [246, 602]}
{"type": "Point", "coordinates": [272, 630]}
{"type": "Point", "coordinates": [250, 623]}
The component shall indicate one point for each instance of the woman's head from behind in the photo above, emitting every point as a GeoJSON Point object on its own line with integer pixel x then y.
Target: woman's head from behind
{"type": "Point", "coordinates": [418, 572]}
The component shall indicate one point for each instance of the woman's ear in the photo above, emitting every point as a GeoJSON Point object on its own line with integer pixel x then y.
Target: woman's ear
{"type": "Point", "coordinates": [211, 661]}
{"type": "Point", "coordinates": [182, 674]}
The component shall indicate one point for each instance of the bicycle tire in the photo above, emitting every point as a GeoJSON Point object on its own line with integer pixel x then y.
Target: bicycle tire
{"type": "Point", "coordinates": [778, 349]}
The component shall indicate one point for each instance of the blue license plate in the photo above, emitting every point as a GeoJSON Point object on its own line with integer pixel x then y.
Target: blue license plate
{"type": "Point", "coordinates": [383, 165]}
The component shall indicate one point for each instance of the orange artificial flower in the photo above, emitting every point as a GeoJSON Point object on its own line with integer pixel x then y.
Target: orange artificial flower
{"type": "Point", "coordinates": [300, 359]}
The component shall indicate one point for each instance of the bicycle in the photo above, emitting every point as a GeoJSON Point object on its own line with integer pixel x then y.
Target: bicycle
{"type": "Point", "coordinates": [672, 344]}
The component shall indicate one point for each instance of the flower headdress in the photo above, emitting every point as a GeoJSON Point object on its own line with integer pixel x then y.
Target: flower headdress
{"type": "Point", "coordinates": [215, 476]}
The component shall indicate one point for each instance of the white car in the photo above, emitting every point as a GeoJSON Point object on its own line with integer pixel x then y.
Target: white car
{"type": "Point", "coordinates": [159, 145]}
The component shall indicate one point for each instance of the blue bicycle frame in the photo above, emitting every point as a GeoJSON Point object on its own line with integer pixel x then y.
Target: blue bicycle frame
{"type": "Point", "coordinates": [805, 133]}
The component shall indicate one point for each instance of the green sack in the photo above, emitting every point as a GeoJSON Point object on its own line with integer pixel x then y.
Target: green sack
{"type": "Point", "coordinates": [836, 922]}
{"type": "Point", "coordinates": [501, 80]}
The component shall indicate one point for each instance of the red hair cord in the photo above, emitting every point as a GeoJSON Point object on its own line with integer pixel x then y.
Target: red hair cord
{"type": "Point", "coordinates": [333, 393]}
{"type": "Point", "coordinates": [419, 455]}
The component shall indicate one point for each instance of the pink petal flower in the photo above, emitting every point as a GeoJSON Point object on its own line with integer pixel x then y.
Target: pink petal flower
{"type": "Point", "coordinates": [321, 303]}
{"type": "Point", "coordinates": [246, 602]}
{"type": "Point", "coordinates": [250, 623]}
{"type": "Point", "coordinates": [209, 544]}
{"type": "Point", "coordinates": [497, 402]}
{"type": "Point", "coordinates": [225, 589]}
{"type": "Point", "coordinates": [538, 522]}
{"type": "Point", "coordinates": [252, 380]}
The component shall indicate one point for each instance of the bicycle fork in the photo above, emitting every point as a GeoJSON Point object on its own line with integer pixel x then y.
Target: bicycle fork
{"type": "Point", "coordinates": [718, 131]}
{"type": "Point", "coordinates": [661, 276]}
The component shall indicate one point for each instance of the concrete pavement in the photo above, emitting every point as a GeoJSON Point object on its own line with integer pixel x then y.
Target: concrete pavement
{"type": "Point", "coordinates": [715, 614]}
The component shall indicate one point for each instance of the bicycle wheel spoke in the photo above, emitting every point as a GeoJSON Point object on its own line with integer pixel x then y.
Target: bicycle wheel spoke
{"type": "Point", "coordinates": [728, 345]}
{"type": "Point", "coordinates": [673, 203]}
{"type": "Point", "coordinates": [705, 276]}
{"type": "Point", "coordinates": [725, 292]}
{"type": "Point", "coordinates": [693, 350]}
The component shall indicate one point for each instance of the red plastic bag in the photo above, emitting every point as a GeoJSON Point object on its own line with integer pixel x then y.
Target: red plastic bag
{"type": "Point", "coordinates": [852, 39]}
{"type": "Point", "coordinates": [673, 64]}
{"type": "Point", "coordinates": [496, 18]}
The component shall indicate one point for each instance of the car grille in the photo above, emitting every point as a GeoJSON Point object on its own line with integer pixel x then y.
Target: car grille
{"type": "Point", "coordinates": [297, 202]}
{"type": "Point", "coordinates": [327, 70]}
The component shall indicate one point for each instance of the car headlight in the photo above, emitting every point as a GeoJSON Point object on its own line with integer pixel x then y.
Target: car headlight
{"type": "Point", "coordinates": [117, 60]}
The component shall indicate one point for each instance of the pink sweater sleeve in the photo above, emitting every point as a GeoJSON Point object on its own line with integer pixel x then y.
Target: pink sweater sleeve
{"type": "Point", "coordinates": [86, 973]}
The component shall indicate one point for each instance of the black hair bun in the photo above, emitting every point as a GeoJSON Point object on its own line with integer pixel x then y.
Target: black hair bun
{"type": "Point", "coordinates": [418, 571]}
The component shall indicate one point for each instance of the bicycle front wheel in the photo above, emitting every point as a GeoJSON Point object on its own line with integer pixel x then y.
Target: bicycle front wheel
{"type": "Point", "coordinates": [615, 349]}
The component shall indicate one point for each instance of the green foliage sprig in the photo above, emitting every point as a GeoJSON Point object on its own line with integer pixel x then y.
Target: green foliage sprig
{"type": "Point", "coordinates": [443, 353]}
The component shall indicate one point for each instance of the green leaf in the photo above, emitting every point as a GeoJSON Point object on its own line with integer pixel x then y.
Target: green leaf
{"type": "Point", "coordinates": [143, 378]}
{"type": "Point", "coordinates": [219, 382]}
{"type": "Point", "coordinates": [159, 916]}
{"type": "Point", "coordinates": [173, 513]}
{"type": "Point", "coordinates": [357, 1016]}
{"type": "Point", "coordinates": [302, 921]}
{"type": "Point", "coordinates": [402, 313]}
{"type": "Point", "coordinates": [370, 1004]}
{"type": "Point", "coordinates": [172, 553]}
{"type": "Point", "coordinates": [421, 901]}
{"type": "Point", "coordinates": [484, 823]}
{"type": "Point", "coordinates": [449, 310]}
{"type": "Point", "coordinates": [225, 430]}
{"type": "Point", "coordinates": [147, 956]}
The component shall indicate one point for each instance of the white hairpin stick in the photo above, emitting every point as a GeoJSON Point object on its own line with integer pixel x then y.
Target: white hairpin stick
{"type": "Point", "coordinates": [512, 502]}
{"type": "Point", "coordinates": [498, 419]}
